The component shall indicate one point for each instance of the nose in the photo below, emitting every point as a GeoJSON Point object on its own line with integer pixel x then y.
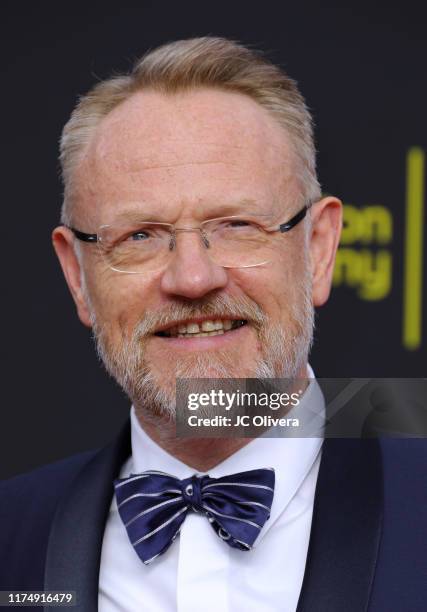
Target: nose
{"type": "Point", "coordinates": [191, 273]}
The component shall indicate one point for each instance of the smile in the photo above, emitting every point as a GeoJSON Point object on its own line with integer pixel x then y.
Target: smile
{"type": "Point", "coordinates": [201, 329]}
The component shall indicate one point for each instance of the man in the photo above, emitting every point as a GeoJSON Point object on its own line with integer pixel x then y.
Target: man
{"type": "Point", "coordinates": [196, 242]}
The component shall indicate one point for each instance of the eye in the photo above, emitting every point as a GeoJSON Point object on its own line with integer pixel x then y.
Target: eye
{"type": "Point", "coordinates": [238, 229]}
{"type": "Point", "coordinates": [141, 235]}
{"type": "Point", "coordinates": [240, 226]}
{"type": "Point", "coordinates": [239, 223]}
{"type": "Point", "coordinates": [150, 234]}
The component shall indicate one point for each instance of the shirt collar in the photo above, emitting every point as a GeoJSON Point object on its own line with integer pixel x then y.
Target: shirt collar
{"type": "Point", "coordinates": [292, 458]}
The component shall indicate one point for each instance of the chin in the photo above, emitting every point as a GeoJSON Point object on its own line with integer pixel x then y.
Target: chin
{"type": "Point", "coordinates": [204, 365]}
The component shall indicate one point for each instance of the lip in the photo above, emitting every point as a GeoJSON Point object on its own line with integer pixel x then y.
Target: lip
{"type": "Point", "coordinates": [202, 343]}
{"type": "Point", "coordinates": [167, 326]}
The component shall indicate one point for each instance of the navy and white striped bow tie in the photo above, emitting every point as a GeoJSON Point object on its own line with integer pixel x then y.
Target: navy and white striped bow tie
{"type": "Point", "coordinates": [153, 506]}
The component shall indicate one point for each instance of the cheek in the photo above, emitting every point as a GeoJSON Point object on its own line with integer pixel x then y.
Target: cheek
{"type": "Point", "coordinates": [289, 271]}
{"type": "Point", "coordinates": [270, 286]}
{"type": "Point", "coordinates": [117, 300]}
{"type": "Point", "coordinates": [276, 286]}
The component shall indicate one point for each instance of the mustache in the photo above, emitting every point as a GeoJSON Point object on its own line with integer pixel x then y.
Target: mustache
{"type": "Point", "coordinates": [219, 306]}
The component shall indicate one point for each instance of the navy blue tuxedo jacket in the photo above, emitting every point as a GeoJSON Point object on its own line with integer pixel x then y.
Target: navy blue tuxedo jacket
{"type": "Point", "coordinates": [368, 544]}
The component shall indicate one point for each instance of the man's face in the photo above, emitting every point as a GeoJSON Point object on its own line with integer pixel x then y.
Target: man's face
{"type": "Point", "coordinates": [183, 159]}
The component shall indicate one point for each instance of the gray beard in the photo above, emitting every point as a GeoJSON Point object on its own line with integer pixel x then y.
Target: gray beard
{"type": "Point", "coordinates": [284, 353]}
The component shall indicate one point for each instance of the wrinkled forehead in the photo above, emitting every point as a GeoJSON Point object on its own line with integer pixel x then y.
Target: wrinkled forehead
{"type": "Point", "coordinates": [192, 150]}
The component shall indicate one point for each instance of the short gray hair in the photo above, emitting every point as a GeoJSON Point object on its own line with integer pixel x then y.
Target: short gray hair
{"type": "Point", "coordinates": [189, 64]}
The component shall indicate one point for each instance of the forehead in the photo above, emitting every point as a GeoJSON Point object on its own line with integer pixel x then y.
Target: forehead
{"type": "Point", "coordinates": [185, 152]}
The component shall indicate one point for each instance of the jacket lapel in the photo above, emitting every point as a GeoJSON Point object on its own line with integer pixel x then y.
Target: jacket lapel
{"type": "Point", "coordinates": [346, 528]}
{"type": "Point", "coordinates": [75, 542]}
{"type": "Point", "coordinates": [344, 541]}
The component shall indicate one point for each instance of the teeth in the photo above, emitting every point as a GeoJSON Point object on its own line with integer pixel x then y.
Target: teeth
{"type": "Point", "coordinates": [205, 328]}
{"type": "Point", "coordinates": [202, 334]}
{"type": "Point", "coordinates": [193, 328]}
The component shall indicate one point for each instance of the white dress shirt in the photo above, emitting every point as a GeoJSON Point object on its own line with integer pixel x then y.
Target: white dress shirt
{"type": "Point", "coordinates": [200, 571]}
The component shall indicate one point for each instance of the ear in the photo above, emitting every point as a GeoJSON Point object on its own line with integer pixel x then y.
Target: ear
{"type": "Point", "coordinates": [326, 215]}
{"type": "Point", "coordinates": [63, 243]}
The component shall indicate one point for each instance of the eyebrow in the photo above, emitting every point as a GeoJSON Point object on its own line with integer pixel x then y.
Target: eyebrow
{"type": "Point", "coordinates": [134, 213]}
{"type": "Point", "coordinates": [240, 207]}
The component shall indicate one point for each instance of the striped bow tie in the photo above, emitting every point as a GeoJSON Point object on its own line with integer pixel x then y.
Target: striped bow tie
{"type": "Point", "coordinates": [153, 506]}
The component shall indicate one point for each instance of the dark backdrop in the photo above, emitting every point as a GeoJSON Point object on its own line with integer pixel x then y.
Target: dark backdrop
{"type": "Point", "coordinates": [362, 69]}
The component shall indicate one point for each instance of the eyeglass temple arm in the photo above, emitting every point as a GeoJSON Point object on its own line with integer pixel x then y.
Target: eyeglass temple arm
{"type": "Point", "coordinates": [83, 236]}
{"type": "Point", "coordinates": [285, 227]}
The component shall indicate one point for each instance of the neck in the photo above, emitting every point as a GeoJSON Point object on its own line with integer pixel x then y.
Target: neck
{"type": "Point", "coordinates": [201, 454]}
